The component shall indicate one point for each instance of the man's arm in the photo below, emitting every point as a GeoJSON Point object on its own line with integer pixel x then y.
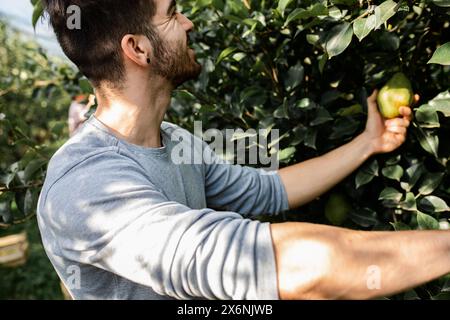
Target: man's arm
{"type": "Point", "coordinates": [309, 179]}
{"type": "Point", "coordinates": [122, 223]}
{"type": "Point", "coordinates": [323, 262]}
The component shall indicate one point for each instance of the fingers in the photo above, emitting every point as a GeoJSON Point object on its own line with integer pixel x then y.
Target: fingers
{"type": "Point", "coordinates": [397, 122]}
{"type": "Point", "coordinates": [406, 112]}
{"type": "Point", "coordinates": [372, 107]}
{"type": "Point", "coordinates": [400, 138]}
{"type": "Point", "coordinates": [373, 96]}
{"type": "Point", "coordinates": [397, 129]}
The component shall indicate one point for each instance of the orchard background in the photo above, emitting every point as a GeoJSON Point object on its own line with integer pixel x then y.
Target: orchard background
{"type": "Point", "coordinates": [303, 67]}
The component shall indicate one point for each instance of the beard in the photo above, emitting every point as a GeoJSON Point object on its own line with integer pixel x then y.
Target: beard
{"type": "Point", "coordinates": [177, 65]}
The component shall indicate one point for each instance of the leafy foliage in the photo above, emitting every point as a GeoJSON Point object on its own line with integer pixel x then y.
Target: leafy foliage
{"type": "Point", "coordinates": [306, 68]}
{"type": "Point", "coordinates": [35, 92]}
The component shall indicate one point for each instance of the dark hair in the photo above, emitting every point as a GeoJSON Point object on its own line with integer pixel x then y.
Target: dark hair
{"type": "Point", "coordinates": [96, 47]}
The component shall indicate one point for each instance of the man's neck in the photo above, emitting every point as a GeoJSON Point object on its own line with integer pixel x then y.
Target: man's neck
{"type": "Point", "coordinates": [135, 115]}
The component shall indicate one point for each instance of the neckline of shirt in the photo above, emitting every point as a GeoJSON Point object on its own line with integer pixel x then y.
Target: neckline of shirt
{"type": "Point", "coordinates": [162, 151]}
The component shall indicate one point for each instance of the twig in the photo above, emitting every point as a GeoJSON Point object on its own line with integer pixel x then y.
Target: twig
{"type": "Point", "coordinates": [19, 188]}
{"type": "Point", "coordinates": [16, 222]}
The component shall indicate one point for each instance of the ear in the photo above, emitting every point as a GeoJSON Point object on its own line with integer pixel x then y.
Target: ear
{"type": "Point", "coordinates": [136, 48]}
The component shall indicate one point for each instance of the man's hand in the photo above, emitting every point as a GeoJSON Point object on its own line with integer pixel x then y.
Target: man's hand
{"type": "Point", "coordinates": [307, 180]}
{"type": "Point", "coordinates": [386, 135]}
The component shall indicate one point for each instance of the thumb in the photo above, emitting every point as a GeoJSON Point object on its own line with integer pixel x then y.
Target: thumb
{"type": "Point", "coordinates": [372, 107]}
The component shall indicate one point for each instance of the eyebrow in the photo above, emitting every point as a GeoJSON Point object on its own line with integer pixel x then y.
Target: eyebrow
{"type": "Point", "coordinates": [173, 4]}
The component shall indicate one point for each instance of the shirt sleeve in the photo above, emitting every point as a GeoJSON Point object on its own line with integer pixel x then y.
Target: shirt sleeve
{"type": "Point", "coordinates": [242, 189]}
{"type": "Point", "coordinates": [122, 223]}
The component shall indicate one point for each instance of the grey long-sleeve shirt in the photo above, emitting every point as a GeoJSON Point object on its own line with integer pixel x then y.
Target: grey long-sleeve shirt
{"type": "Point", "coordinates": [121, 221]}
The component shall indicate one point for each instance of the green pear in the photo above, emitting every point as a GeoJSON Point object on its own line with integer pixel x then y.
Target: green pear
{"type": "Point", "coordinates": [396, 93]}
{"type": "Point", "coordinates": [337, 208]}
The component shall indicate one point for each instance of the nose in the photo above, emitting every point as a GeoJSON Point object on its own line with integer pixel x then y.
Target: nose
{"type": "Point", "coordinates": [187, 24]}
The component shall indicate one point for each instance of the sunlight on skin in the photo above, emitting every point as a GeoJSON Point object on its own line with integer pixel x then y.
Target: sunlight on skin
{"type": "Point", "coordinates": [309, 261]}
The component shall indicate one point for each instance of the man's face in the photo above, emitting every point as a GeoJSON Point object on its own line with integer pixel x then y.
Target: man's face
{"type": "Point", "coordinates": [175, 60]}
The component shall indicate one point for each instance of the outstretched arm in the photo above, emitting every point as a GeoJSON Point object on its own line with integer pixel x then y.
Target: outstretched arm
{"type": "Point", "coordinates": [309, 179]}
{"type": "Point", "coordinates": [323, 262]}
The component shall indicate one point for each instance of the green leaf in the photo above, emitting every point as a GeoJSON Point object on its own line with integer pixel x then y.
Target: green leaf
{"type": "Point", "coordinates": [33, 167]}
{"type": "Point", "coordinates": [312, 39]}
{"type": "Point", "coordinates": [430, 182]}
{"type": "Point", "coordinates": [351, 110]}
{"type": "Point", "coordinates": [433, 204]}
{"type": "Point", "coordinates": [441, 296]}
{"type": "Point", "coordinates": [9, 176]}
{"type": "Point", "coordinates": [442, 3]}
{"type": "Point", "coordinates": [426, 222]}
{"type": "Point", "coordinates": [344, 127]}
{"type": "Point", "coordinates": [297, 14]}
{"type": "Point", "coordinates": [413, 174]}
{"type": "Point", "coordinates": [225, 53]}
{"type": "Point", "coordinates": [365, 217]}
{"type": "Point", "coordinates": [409, 203]}
{"type": "Point", "coordinates": [281, 112]}
{"type": "Point", "coordinates": [393, 172]}
{"type": "Point", "coordinates": [366, 173]}
{"type": "Point", "coordinates": [310, 138]}
{"type": "Point", "coordinates": [388, 41]}
{"type": "Point", "coordinates": [393, 160]}
{"type": "Point", "coordinates": [294, 77]}
{"type": "Point", "coordinates": [282, 4]}
{"type": "Point", "coordinates": [400, 226]}
{"type": "Point", "coordinates": [323, 60]}
{"type": "Point", "coordinates": [317, 9]}
{"type": "Point", "coordinates": [286, 154]}
{"type": "Point", "coordinates": [390, 194]}
{"type": "Point", "coordinates": [85, 86]}
{"type": "Point", "coordinates": [427, 118]}
{"type": "Point", "coordinates": [322, 116]}
{"type": "Point", "coordinates": [5, 211]}
{"type": "Point", "coordinates": [363, 26]}
{"type": "Point", "coordinates": [218, 4]}
{"type": "Point", "coordinates": [440, 103]}
{"type": "Point", "coordinates": [385, 11]}
{"type": "Point", "coordinates": [345, 2]}
{"type": "Point", "coordinates": [37, 13]}
{"type": "Point", "coordinates": [305, 103]}
{"type": "Point", "coordinates": [428, 141]}
{"type": "Point", "coordinates": [441, 55]}
{"type": "Point", "coordinates": [340, 37]}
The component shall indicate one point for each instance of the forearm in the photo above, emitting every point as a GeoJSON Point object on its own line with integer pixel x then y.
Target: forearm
{"type": "Point", "coordinates": [402, 260]}
{"type": "Point", "coordinates": [307, 180]}
{"type": "Point", "coordinates": [322, 262]}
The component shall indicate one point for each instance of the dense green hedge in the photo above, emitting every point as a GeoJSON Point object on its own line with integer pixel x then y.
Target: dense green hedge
{"type": "Point", "coordinates": [303, 67]}
{"type": "Point", "coordinates": [306, 68]}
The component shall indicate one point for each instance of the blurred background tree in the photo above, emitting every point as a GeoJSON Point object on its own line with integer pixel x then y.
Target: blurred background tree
{"type": "Point", "coordinates": [35, 94]}
{"type": "Point", "coordinates": [303, 67]}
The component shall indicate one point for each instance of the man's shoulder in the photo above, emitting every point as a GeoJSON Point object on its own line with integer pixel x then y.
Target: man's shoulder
{"type": "Point", "coordinates": [77, 150]}
{"type": "Point", "coordinates": [84, 157]}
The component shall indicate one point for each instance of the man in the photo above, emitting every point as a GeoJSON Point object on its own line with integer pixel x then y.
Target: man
{"type": "Point", "coordinates": [120, 220]}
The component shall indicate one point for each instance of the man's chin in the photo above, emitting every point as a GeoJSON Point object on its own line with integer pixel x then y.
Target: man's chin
{"type": "Point", "coordinates": [191, 74]}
